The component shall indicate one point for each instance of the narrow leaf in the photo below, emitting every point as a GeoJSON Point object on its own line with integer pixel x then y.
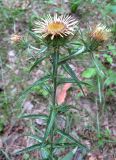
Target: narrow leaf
{"type": "Point", "coordinates": [68, 80]}
{"type": "Point", "coordinates": [80, 154]}
{"type": "Point", "coordinates": [29, 149]}
{"type": "Point", "coordinates": [65, 80]}
{"type": "Point", "coordinates": [64, 145]}
{"type": "Point", "coordinates": [50, 124]}
{"type": "Point", "coordinates": [45, 153]}
{"type": "Point", "coordinates": [79, 51]}
{"type": "Point", "coordinates": [69, 70]}
{"type": "Point", "coordinates": [33, 137]}
{"type": "Point", "coordinates": [35, 36]}
{"type": "Point", "coordinates": [97, 65]}
{"type": "Point", "coordinates": [70, 155]}
{"type": "Point", "coordinates": [35, 116]}
{"type": "Point", "coordinates": [38, 82]}
{"type": "Point", "coordinates": [67, 136]}
{"type": "Point", "coordinates": [42, 50]}
{"type": "Point", "coordinates": [100, 90]}
{"type": "Point", "coordinates": [63, 108]}
{"type": "Point", "coordinates": [39, 51]}
{"type": "Point", "coordinates": [39, 60]}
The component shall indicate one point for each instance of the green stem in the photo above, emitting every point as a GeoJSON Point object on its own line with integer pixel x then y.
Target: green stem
{"type": "Point", "coordinates": [55, 58]}
{"type": "Point", "coordinates": [54, 77]}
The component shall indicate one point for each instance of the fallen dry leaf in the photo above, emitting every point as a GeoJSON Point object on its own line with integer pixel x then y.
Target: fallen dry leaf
{"type": "Point", "coordinates": [61, 93]}
{"type": "Point", "coordinates": [1, 143]}
{"type": "Point", "coordinates": [92, 158]}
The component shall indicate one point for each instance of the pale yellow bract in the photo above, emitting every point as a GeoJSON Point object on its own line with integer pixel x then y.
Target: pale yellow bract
{"type": "Point", "coordinates": [100, 33]}
{"type": "Point", "coordinates": [63, 25]}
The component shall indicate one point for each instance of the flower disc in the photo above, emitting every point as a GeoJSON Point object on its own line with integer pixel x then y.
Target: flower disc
{"type": "Point", "coordinates": [56, 26]}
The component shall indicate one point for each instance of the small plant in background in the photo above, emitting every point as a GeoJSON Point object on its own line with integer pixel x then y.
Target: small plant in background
{"type": "Point", "coordinates": [55, 33]}
{"type": "Point", "coordinates": [74, 4]}
{"type": "Point", "coordinates": [16, 38]}
{"type": "Point", "coordinates": [98, 35]}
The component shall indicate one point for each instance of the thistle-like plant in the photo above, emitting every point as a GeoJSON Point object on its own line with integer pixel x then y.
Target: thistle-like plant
{"type": "Point", "coordinates": [55, 33]}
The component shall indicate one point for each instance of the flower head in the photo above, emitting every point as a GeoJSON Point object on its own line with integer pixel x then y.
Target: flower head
{"type": "Point", "coordinates": [100, 33]}
{"type": "Point", "coordinates": [16, 38]}
{"type": "Point", "coordinates": [63, 25]}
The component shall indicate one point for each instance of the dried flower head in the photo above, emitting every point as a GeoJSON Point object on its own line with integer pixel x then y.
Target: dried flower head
{"type": "Point", "coordinates": [16, 38]}
{"type": "Point", "coordinates": [100, 33]}
{"type": "Point", "coordinates": [63, 25]}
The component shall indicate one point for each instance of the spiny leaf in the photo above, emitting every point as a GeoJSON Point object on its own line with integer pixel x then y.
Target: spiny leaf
{"type": "Point", "coordinates": [65, 80]}
{"type": "Point", "coordinates": [39, 60]}
{"type": "Point", "coordinates": [69, 70]}
{"type": "Point", "coordinates": [100, 89]}
{"type": "Point", "coordinates": [45, 153]}
{"type": "Point", "coordinates": [50, 124]}
{"type": "Point", "coordinates": [64, 145]}
{"type": "Point", "coordinates": [80, 154]}
{"type": "Point", "coordinates": [67, 136]}
{"type": "Point", "coordinates": [79, 51]}
{"type": "Point", "coordinates": [68, 80]}
{"type": "Point", "coordinates": [34, 137]}
{"type": "Point", "coordinates": [35, 116]}
{"type": "Point", "coordinates": [97, 65]}
{"type": "Point", "coordinates": [38, 82]}
{"type": "Point", "coordinates": [39, 51]}
{"type": "Point", "coordinates": [29, 89]}
{"type": "Point", "coordinates": [63, 108]}
{"type": "Point", "coordinates": [70, 155]}
{"type": "Point", "coordinates": [29, 149]}
{"type": "Point", "coordinates": [35, 36]}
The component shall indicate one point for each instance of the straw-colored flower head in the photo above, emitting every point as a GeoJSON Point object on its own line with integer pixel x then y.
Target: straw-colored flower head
{"type": "Point", "coordinates": [100, 33]}
{"type": "Point", "coordinates": [63, 25]}
{"type": "Point", "coordinates": [16, 38]}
